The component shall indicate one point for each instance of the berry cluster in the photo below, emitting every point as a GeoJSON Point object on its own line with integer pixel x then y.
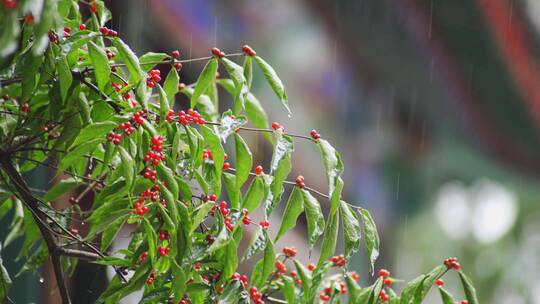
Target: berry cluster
{"type": "Point", "coordinates": [25, 108]}
{"type": "Point", "coordinates": [53, 38]}
{"type": "Point", "coordinates": [300, 182]}
{"type": "Point", "coordinates": [105, 31]}
{"type": "Point", "coordinates": [338, 260]}
{"type": "Point", "coordinates": [110, 54]}
{"type": "Point", "coordinates": [163, 235]}
{"type": "Point", "coordinates": [246, 220]}
{"type": "Point", "coordinates": [290, 252]}
{"type": "Point", "coordinates": [191, 116]}
{"type": "Point", "coordinates": [264, 224]}
{"type": "Point", "coordinates": [248, 50]}
{"type": "Point", "coordinates": [277, 126]}
{"type": "Point", "coordinates": [155, 155]}
{"type": "Point", "coordinates": [162, 251]}
{"type": "Point", "coordinates": [139, 208]}
{"type": "Point", "coordinates": [150, 279]}
{"type": "Point", "coordinates": [280, 267]}
{"type": "Point", "coordinates": [143, 256]}
{"type": "Point", "coordinates": [67, 32]}
{"type": "Point", "coordinates": [154, 76]}
{"type": "Point", "coordinates": [149, 174]}
{"type": "Point", "coordinates": [259, 170]}
{"type": "Point", "coordinates": [314, 134]}
{"type": "Point", "coordinates": [10, 4]}
{"type": "Point", "coordinates": [217, 52]}
{"type": "Point", "coordinates": [384, 296]}
{"type": "Point", "coordinates": [255, 295]}
{"type": "Point", "coordinates": [114, 137]}
{"type": "Point", "coordinates": [242, 278]}
{"type": "Point", "coordinates": [138, 117]}
{"type": "Point", "coordinates": [452, 263]}
{"type": "Point", "coordinates": [126, 127]}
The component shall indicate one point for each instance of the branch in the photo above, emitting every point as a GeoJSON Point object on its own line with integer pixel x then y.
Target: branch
{"type": "Point", "coordinates": [31, 203]}
{"type": "Point", "coordinates": [81, 254]}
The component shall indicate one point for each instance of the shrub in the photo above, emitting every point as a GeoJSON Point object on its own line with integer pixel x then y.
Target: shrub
{"type": "Point", "coordinates": [77, 99]}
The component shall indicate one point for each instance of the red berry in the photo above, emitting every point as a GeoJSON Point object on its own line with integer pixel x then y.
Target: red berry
{"type": "Point", "coordinates": [175, 54]}
{"type": "Point", "coordinates": [82, 26]}
{"type": "Point", "coordinates": [264, 224]}
{"type": "Point", "coordinates": [276, 126]}
{"type": "Point", "coordinates": [464, 302]}
{"type": "Point", "coordinates": [311, 266]}
{"type": "Point", "coordinates": [324, 297]}
{"type": "Point", "coordinates": [197, 266]}
{"type": "Point", "coordinates": [226, 166]}
{"type": "Point", "coordinates": [212, 197]}
{"type": "Point", "coordinates": [300, 181]}
{"type": "Point", "coordinates": [315, 135]}
{"type": "Point", "coordinates": [388, 282]}
{"type": "Point", "coordinates": [248, 50]}
{"type": "Point", "coordinates": [355, 276]}
{"type": "Point", "coordinates": [29, 19]}
{"type": "Point", "coordinates": [217, 52]}
{"type": "Point", "coordinates": [178, 66]}
{"type": "Point", "coordinates": [93, 8]}
{"type": "Point", "coordinates": [384, 273]}
{"type": "Point", "coordinates": [439, 283]}
{"type": "Point", "coordinates": [10, 4]}
{"type": "Point", "coordinates": [258, 170]}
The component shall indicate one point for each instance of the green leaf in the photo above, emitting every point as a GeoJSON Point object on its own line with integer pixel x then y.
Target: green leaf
{"type": "Point", "coordinates": [150, 238]}
{"type": "Point", "coordinates": [371, 237]}
{"type": "Point", "coordinates": [286, 285]}
{"type": "Point", "coordinates": [5, 280]}
{"type": "Point", "coordinates": [408, 293]}
{"type": "Point", "coordinates": [332, 163]}
{"type": "Point", "coordinates": [167, 175]}
{"type": "Point", "coordinates": [112, 231]}
{"type": "Point", "coordinates": [258, 278]}
{"type": "Point", "coordinates": [218, 154]}
{"type": "Point", "coordinates": [178, 282]}
{"type": "Point", "coordinates": [131, 61]}
{"type": "Point", "coordinates": [280, 175]}
{"type": "Point", "coordinates": [61, 187]}
{"type": "Point", "coordinates": [257, 245]}
{"type": "Point", "coordinates": [128, 166]}
{"type": "Point", "coordinates": [314, 217]}
{"type": "Point", "coordinates": [171, 85]}
{"type": "Point", "coordinates": [229, 124]}
{"type": "Point", "coordinates": [446, 297]}
{"type": "Point", "coordinates": [351, 229]}
{"type": "Point", "coordinates": [244, 161]}
{"type": "Point", "coordinates": [107, 213]}
{"type": "Point", "coordinates": [248, 70]}
{"type": "Point", "coordinates": [206, 78]}
{"type": "Point", "coordinates": [157, 295]}
{"type": "Point", "coordinates": [305, 276]}
{"type": "Point", "coordinates": [65, 77]}
{"type": "Point", "coordinates": [200, 213]}
{"type": "Point", "coordinates": [94, 130]}
{"type": "Point", "coordinates": [148, 60]}
{"type": "Point", "coordinates": [102, 70]}
{"type": "Point", "coordinates": [470, 291]}
{"type": "Point", "coordinates": [283, 147]}
{"type": "Point", "coordinates": [236, 73]}
{"type": "Point", "coordinates": [256, 114]}
{"type": "Point", "coordinates": [294, 208]}
{"type": "Point", "coordinates": [330, 239]}
{"type": "Point", "coordinates": [163, 101]}
{"type": "Point", "coordinates": [77, 153]}
{"type": "Point", "coordinates": [274, 81]}
{"type": "Point", "coordinates": [254, 195]}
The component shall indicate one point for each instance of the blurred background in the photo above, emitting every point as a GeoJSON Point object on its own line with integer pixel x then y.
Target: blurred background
{"type": "Point", "coordinates": [434, 105]}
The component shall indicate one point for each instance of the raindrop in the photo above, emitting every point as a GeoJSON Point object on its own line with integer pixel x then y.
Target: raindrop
{"type": "Point", "coordinates": [41, 280]}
